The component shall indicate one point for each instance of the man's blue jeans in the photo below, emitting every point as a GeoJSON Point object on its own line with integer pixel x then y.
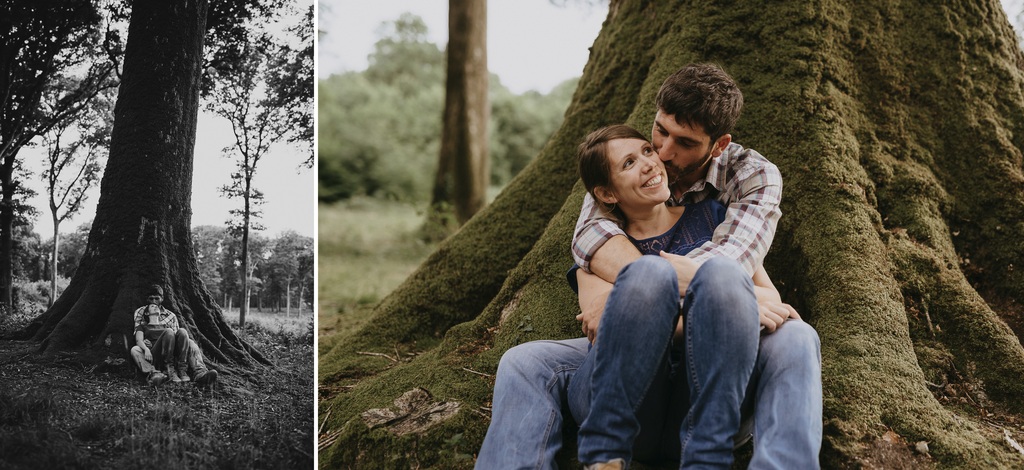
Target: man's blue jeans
{"type": "Point", "coordinates": [637, 396]}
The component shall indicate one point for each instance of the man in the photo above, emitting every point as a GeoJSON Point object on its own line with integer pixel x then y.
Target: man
{"type": "Point", "coordinates": [698, 107]}
{"type": "Point", "coordinates": [157, 328]}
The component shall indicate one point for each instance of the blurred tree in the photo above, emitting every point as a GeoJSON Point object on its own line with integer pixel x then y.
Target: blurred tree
{"type": "Point", "coordinates": [522, 124]}
{"type": "Point", "coordinates": [74, 163]}
{"type": "Point", "coordinates": [40, 40]}
{"type": "Point", "coordinates": [463, 174]}
{"type": "Point", "coordinates": [379, 129]}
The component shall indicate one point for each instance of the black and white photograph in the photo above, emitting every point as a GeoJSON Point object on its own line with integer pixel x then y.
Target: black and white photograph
{"type": "Point", "coordinates": [157, 236]}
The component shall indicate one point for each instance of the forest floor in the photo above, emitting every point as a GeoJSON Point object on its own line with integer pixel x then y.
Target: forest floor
{"type": "Point", "coordinates": [66, 411]}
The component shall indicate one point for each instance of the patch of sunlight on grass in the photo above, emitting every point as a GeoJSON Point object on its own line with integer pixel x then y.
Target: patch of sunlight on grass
{"type": "Point", "coordinates": [367, 247]}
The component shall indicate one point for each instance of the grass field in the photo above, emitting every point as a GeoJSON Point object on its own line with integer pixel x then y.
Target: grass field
{"type": "Point", "coordinates": [366, 248]}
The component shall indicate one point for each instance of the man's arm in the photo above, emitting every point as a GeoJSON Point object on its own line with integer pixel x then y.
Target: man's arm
{"type": "Point", "coordinates": [593, 293]}
{"type": "Point", "coordinates": [593, 230]}
{"type": "Point", "coordinates": [750, 220]}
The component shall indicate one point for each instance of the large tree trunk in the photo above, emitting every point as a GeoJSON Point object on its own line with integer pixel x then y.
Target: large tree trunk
{"type": "Point", "coordinates": [463, 171]}
{"type": "Point", "coordinates": [898, 129]}
{"type": "Point", "coordinates": [141, 234]}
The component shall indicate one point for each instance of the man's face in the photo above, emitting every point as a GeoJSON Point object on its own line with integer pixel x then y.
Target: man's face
{"type": "Point", "coordinates": [686, 149]}
{"type": "Point", "coordinates": [155, 299]}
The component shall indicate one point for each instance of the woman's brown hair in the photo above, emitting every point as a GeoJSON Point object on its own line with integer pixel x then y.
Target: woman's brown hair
{"type": "Point", "coordinates": [592, 158]}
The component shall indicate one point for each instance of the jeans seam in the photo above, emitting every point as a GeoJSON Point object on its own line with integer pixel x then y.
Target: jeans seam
{"type": "Point", "coordinates": [551, 416]}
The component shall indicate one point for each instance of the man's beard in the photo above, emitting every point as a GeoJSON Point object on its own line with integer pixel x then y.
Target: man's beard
{"type": "Point", "coordinates": [675, 174]}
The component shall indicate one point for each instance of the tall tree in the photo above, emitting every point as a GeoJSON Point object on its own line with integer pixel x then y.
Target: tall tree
{"type": "Point", "coordinates": [38, 40]}
{"type": "Point", "coordinates": [74, 163]}
{"type": "Point", "coordinates": [242, 95]}
{"type": "Point", "coordinates": [462, 171]}
{"type": "Point", "coordinates": [898, 128]}
{"type": "Point", "coordinates": [141, 234]}
{"type": "Point", "coordinates": [291, 84]}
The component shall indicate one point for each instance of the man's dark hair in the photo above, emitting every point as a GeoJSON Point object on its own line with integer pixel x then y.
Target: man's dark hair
{"type": "Point", "coordinates": [592, 158]}
{"type": "Point", "coordinates": [702, 94]}
{"type": "Point", "coordinates": [155, 289]}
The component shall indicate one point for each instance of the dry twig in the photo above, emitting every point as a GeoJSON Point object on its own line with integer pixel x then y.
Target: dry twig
{"type": "Point", "coordinates": [471, 371]}
{"type": "Point", "coordinates": [377, 354]}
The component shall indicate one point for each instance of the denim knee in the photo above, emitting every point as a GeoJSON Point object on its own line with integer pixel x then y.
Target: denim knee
{"type": "Point", "coordinates": [722, 271]}
{"type": "Point", "coordinates": [722, 283]}
{"type": "Point", "coordinates": [521, 361]}
{"type": "Point", "coordinates": [648, 275]}
{"type": "Point", "coordinates": [793, 342]}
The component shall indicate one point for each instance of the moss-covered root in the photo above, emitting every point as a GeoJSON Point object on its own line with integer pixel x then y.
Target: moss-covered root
{"type": "Point", "coordinates": [456, 282]}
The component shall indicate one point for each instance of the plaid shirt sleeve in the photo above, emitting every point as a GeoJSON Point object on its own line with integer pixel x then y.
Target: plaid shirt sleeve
{"type": "Point", "coordinates": [750, 220]}
{"type": "Point", "coordinates": [171, 321]}
{"type": "Point", "coordinates": [139, 317]}
{"type": "Point", "coordinates": [593, 229]}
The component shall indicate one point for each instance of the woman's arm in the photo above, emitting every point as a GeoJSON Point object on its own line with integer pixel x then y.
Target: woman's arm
{"type": "Point", "coordinates": [140, 341]}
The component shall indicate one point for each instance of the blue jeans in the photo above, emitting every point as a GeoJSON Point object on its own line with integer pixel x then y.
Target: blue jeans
{"type": "Point", "coordinates": [639, 396]}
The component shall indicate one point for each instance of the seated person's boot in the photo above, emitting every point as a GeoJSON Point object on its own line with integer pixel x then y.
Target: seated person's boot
{"type": "Point", "coordinates": [183, 371]}
{"type": "Point", "coordinates": [173, 374]}
{"type": "Point", "coordinates": [156, 378]}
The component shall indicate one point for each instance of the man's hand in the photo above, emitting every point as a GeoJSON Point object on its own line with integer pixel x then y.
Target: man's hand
{"type": "Point", "coordinates": [593, 293]}
{"type": "Point", "coordinates": [148, 354]}
{"type": "Point", "coordinates": [685, 269]}
{"type": "Point", "coordinates": [773, 314]}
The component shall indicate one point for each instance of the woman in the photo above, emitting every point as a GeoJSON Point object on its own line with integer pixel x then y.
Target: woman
{"type": "Point", "coordinates": [665, 382]}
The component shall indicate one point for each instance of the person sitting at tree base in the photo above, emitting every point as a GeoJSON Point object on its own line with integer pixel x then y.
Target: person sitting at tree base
{"type": "Point", "coordinates": [163, 349]}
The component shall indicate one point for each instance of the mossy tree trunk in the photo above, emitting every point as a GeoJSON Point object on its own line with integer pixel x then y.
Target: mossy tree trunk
{"type": "Point", "coordinates": [898, 128]}
{"type": "Point", "coordinates": [141, 234]}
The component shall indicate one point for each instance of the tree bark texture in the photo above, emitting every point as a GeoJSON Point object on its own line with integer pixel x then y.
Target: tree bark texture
{"type": "Point", "coordinates": [141, 234]}
{"type": "Point", "coordinates": [898, 128]}
{"type": "Point", "coordinates": [463, 172]}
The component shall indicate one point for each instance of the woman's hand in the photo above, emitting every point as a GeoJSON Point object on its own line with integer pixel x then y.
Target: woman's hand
{"type": "Point", "coordinates": [685, 269]}
{"type": "Point", "coordinates": [148, 354]}
{"type": "Point", "coordinates": [773, 314]}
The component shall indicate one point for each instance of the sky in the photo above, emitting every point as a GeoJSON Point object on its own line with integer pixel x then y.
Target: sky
{"type": "Point", "coordinates": [531, 44]}
{"type": "Point", "coordinates": [289, 191]}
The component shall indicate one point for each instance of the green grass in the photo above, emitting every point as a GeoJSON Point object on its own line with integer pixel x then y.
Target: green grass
{"type": "Point", "coordinates": [367, 247]}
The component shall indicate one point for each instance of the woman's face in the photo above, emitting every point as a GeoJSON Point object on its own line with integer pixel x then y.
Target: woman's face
{"type": "Point", "coordinates": [637, 175]}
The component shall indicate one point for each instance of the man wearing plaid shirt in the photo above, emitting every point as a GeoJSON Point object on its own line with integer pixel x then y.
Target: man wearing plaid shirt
{"type": "Point", "coordinates": [157, 328]}
{"type": "Point", "coordinates": [697, 108]}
